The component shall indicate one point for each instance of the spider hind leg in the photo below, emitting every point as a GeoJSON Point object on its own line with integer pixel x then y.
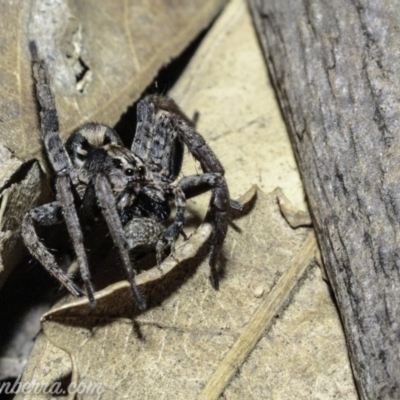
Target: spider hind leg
{"type": "Point", "coordinates": [218, 214]}
{"type": "Point", "coordinates": [160, 117]}
{"type": "Point", "coordinates": [46, 215]}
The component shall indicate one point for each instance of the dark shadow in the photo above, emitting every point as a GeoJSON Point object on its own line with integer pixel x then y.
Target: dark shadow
{"type": "Point", "coordinates": [158, 291]}
{"type": "Point", "coordinates": [7, 385]}
{"type": "Point", "coordinates": [164, 81]}
{"type": "Point", "coordinates": [28, 292]}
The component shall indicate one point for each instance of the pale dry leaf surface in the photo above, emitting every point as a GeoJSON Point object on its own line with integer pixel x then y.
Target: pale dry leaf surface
{"type": "Point", "coordinates": [181, 339]}
{"type": "Point", "coordinates": [272, 304]}
{"type": "Point", "coordinates": [304, 354]}
{"type": "Point", "coordinates": [227, 83]}
{"type": "Point", "coordinates": [294, 216]}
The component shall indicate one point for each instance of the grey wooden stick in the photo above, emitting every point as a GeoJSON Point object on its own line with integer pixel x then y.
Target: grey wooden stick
{"type": "Point", "coordinates": [335, 66]}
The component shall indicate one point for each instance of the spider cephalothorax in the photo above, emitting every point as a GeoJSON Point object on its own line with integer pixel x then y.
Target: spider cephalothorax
{"type": "Point", "coordinates": [131, 188]}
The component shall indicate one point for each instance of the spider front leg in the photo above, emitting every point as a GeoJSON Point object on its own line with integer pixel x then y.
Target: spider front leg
{"type": "Point", "coordinates": [54, 146]}
{"type": "Point", "coordinates": [61, 164]}
{"type": "Point", "coordinates": [108, 207]}
{"type": "Point", "coordinates": [198, 184]}
{"type": "Point", "coordinates": [220, 202]}
{"type": "Point", "coordinates": [46, 215]}
{"type": "Point", "coordinates": [66, 199]}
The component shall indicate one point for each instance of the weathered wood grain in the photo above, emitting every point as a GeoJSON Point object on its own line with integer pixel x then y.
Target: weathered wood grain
{"type": "Point", "coordinates": [336, 68]}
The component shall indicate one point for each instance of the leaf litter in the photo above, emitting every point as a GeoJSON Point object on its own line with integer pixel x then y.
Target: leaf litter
{"type": "Point", "coordinates": [179, 344]}
{"type": "Point", "coordinates": [187, 330]}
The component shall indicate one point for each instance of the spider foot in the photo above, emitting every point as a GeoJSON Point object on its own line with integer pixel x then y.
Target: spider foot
{"type": "Point", "coordinates": [90, 293]}
{"type": "Point", "coordinates": [167, 242]}
{"type": "Point", "coordinates": [185, 237]}
{"type": "Point", "coordinates": [72, 288]}
{"type": "Point", "coordinates": [140, 301]}
{"type": "Point", "coordinates": [214, 255]}
{"type": "Point", "coordinates": [214, 277]}
{"type": "Point", "coordinates": [236, 205]}
{"type": "Point", "coordinates": [172, 256]}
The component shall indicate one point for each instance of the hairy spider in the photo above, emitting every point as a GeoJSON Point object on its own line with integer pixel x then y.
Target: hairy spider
{"type": "Point", "coordinates": [132, 189]}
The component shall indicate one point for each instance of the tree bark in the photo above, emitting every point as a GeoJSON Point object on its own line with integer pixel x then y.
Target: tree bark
{"type": "Point", "coordinates": [336, 67]}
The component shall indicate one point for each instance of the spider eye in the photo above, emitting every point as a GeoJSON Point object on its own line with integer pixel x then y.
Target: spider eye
{"type": "Point", "coordinates": [129, 172]}
{"type": "Point", "coordinates": [141, 170]}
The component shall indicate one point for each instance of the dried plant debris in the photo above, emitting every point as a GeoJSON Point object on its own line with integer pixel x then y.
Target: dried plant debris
{"type": "Point", "coordinates": [294, 217]}
{"type": "Point", "coordinates": [117, 298]}
{"type": "Point", "coordinates": [189, 328]}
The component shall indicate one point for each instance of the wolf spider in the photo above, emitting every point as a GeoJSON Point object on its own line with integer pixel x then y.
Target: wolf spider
{"type": "Point", "coordinates": [132, 189]}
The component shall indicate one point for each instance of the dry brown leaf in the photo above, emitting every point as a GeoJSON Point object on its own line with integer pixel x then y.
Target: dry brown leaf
{"type": "Point", "coordinates": [101, 56]}
{"type": "Point", "coordinates": [119, 293]}
{"type": "Point", "coordinates": [179, 343]}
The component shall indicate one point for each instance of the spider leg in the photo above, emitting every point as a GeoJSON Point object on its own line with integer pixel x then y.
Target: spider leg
{"type": "Point", "coordinates": [46, 215]}
{"type": "Point", "coordinates": [220, 203]}
{"type": "Point", "coordinates": [54, 146]}
{"type": "Point", "coordinates": [195, 185]}
{"type": "Point", "coordinates": [172, 232]}
{"type": "Point", "coordinates": [61, 163]}
{"type": "Point", "coordinates": [198, 184]}
{"type": "Point", "coordinates": [162, 129]}
{"type": "Point", "coordinates": [107, 205]}
{"type": "Point", "coordinates": [155, 142]}
{"type": "Point", "coordinates": [66, 199]}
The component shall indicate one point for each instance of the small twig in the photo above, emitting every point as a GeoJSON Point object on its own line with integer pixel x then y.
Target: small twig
{"type": "Point", "coordinates": [260, 321]}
